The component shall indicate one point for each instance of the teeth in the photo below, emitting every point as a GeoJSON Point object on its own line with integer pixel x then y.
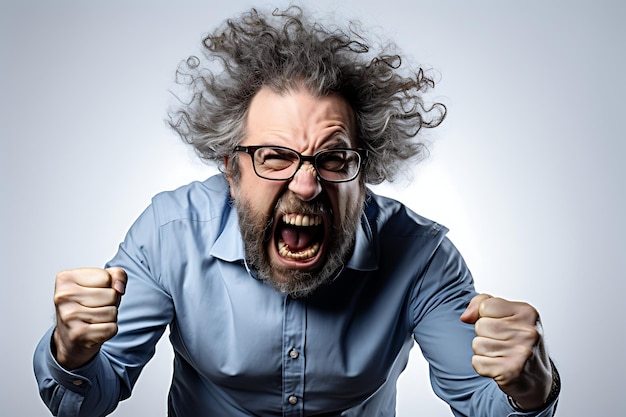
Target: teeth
{"type": "Point", "coordinates": [302, 219]}
{"type": "Point", "coordinates": [308, 253]}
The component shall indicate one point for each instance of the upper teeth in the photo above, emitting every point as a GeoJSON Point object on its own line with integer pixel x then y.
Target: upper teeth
{"type": "Point", "coordinates": [302, 220]}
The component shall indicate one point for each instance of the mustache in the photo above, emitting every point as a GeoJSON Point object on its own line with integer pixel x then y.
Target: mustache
{"type": "Point", "coordinates": [290, 203]}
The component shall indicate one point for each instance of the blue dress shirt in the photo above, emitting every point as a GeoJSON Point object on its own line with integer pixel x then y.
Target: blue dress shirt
{"type": "Point", "coordinates": [243, 349]}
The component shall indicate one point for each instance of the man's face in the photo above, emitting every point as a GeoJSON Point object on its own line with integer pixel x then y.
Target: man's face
{"type": "Point", "coordinates": [298, 232]}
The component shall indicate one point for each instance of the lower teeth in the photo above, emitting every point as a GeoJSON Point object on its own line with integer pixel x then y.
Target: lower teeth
{"type": "Point", "coordinates": [311, 251]}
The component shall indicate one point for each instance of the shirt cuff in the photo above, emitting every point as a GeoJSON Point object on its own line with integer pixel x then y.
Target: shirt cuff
{"type": "Point", "coordinates": [77, 380]}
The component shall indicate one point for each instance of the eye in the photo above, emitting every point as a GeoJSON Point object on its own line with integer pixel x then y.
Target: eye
{"type": "Point", "coordinates": [335, 161]}
{"type": "Point", "coordinates": [275, 159]}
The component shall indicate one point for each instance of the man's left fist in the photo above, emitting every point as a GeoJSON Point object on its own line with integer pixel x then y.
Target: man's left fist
{"type": "Point", "coordinates": [509, 348]}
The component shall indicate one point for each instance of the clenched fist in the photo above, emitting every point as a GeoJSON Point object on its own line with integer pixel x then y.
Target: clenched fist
{"type": "Point", "coordinates": [509, 348]}
{"type": "Point", "coordinates": [86, 303]}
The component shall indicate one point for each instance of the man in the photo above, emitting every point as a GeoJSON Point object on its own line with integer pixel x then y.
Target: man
{"type": "Point", "coordinates": [289, 288]}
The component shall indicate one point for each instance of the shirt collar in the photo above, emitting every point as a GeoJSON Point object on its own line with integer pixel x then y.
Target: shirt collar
{"type": "Point", "coordinates": [365, 254]}
{"type": "Point", "coordinates": [229, 245]}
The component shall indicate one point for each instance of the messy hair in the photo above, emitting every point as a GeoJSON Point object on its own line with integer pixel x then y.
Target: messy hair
{"type": "Point", "coordinates": [285, 50]}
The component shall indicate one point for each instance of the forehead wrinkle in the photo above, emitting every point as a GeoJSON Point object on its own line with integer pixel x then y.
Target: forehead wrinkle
{"type": "Point", "coordinates": [298, 120]}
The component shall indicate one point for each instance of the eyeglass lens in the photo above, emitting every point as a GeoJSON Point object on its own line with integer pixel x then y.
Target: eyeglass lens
{"type": "Point", "coordinates": [331, 165]}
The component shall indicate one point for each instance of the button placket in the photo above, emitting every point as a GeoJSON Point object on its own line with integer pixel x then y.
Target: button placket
{"type": "Point", "coordinates": [294, 330]}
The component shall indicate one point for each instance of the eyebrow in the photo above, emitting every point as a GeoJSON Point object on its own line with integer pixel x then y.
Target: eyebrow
{"type": "Point", "coordinates": [338, 139]}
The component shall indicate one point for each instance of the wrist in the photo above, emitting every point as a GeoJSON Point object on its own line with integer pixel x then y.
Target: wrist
{"type": "Point", "coordinates": [555, 390]}
{"type": "Point", "coordinates": [69, 359]}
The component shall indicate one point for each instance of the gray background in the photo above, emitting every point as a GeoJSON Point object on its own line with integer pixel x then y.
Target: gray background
{"type": "Point", "coordinates": [527, 170]}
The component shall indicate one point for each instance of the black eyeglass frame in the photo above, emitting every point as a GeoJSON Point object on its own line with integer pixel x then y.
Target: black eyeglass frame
{"type": "Point", "coordinates": [250, 150]}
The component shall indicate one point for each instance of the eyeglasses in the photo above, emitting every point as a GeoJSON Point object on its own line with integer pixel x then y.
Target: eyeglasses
{"type": "Point", "coordinates": [278, 163]}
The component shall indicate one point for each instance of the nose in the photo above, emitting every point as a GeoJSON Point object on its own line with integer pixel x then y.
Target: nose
{"type": "Point", "coordinates": [305, 183]}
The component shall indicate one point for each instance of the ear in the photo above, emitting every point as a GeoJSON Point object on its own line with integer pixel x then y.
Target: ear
{"type": "Point", "coordinates": [229, 177]}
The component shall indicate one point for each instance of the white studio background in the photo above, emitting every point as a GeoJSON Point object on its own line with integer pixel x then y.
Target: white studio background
{"type": "Point", "coordinates": [526, 171]}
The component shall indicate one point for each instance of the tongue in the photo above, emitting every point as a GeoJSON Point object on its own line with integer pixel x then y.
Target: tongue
{"type": "Point", "coordinates": [297, 238]}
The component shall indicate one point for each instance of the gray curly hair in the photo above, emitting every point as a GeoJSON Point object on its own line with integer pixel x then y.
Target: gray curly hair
{"type": "Point", "coordinates": [284, 50]}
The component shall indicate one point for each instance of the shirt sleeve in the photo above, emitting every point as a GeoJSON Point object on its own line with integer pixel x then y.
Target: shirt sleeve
{"type": "Point", "coordinates": [145, 310]}
{"type": "Point", "coordinates": [438, 300]}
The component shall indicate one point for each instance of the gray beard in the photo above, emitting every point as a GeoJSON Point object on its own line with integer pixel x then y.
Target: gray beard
{"type": "Point", "coordinates": [256, 229]}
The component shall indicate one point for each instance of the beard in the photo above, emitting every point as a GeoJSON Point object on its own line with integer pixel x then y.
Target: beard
{"type": "Point", "coordinates": [257, 228]}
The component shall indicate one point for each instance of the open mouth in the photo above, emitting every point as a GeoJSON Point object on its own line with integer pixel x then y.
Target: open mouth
{"type": "Point", "coordinates": [299, 237]}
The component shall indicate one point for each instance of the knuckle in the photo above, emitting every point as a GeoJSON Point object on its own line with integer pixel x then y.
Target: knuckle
{"type": "Point", "coordinates": [62, 296]}
{"type": "Point", "coordinates": [527, 335]}
{"type": "Point", "coordinates": [109, 330]}
{"type": "Point", "coordinates": [479, 325]}
{"type": "Point", "coordinates": [59, 298]}
{"type": "Point", "coordinates": [63, 276]}
{"type": "Point", "coordinates": [62, 280]}
{"type": "Point", "coordinates": [96, 334]}
{"type": "Point", "coordinates": [476, 345]}
{"type": "Point", "coordinates": [529, 313]}
{"type": "Point", "coordinates": [532, 335]}
{"type": "Point", "coordinates": [476, 363]}
{"type": "Point", "coordinates": [70, 313]}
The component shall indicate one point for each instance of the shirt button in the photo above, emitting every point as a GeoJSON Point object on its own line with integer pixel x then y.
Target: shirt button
{"type": "Point", "coordinates": [293, 400]}
{"type": "Point", "coordinates": [77, 382]}
{"type": "Point", "coordinates": [293, 353]}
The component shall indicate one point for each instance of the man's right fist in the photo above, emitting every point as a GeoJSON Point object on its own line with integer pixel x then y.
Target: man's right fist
{"type": "Point", "coordinates": [86, 302]}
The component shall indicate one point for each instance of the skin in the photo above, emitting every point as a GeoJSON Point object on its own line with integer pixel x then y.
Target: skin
{"type": "Point", "coordinates": [86, 301]}
{"type": "Point", "coordinates": [306, 124]}
{"type": "Point", "coordinates": [508, 347]}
